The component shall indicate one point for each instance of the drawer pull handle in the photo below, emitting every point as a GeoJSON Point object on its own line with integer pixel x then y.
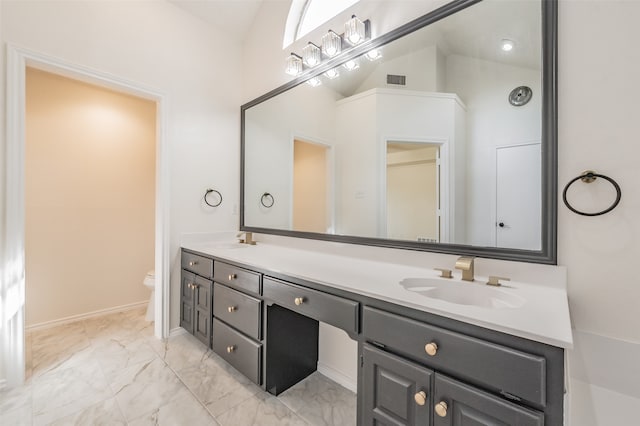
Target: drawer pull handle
{"type": "Point", "coordinates": [231, 309]}
{"type": "Point", "coordinates": [441, 409]}
{"type": "Point", "coordinates": [193, 263]}
{"type": "Point", "coordinates": [431, 348]}
{"type": "Point", "coordinates": [421, 398]}
{"type": "Point", "coordinates": [232, 277]}
{"type": "Point", "coordinates": [298, 300]}
{"type": "Point", "coordinates": [230, 349]}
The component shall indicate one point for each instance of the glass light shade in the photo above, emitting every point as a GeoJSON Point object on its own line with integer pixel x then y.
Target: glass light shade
{"type": "Point", "coordinates": [332, 73]}
{"type": "Point", "coordinates": [314, 82]}
{"type": "Point", "coordinates": [311, 55]}
{"type": "Point", "coordinates": [351, 65]}
{"type": "Point", "coordinates": [354, 31]}
{"type": "Point", "coordinates": [331, 44]}
{"type": "Point", "coordinates": [373, 55]}
{"type": "Point", "coordinates": [294, 65]}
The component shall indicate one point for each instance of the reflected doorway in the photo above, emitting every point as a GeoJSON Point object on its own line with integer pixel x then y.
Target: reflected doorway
{"type": "Point", "coordinates": [413, 191]}
{"type": "Point", "coordinates": [312, 187]}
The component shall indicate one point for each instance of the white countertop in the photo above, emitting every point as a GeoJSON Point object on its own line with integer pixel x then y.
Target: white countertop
{"type": "Point", "coordinates": [543, 317]}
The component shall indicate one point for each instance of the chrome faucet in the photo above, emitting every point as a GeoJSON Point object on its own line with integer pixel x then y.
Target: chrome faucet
{"type": "Point", "coordinates": [248, 238]}
{"type": "Point", "coordinates": [465, 264]}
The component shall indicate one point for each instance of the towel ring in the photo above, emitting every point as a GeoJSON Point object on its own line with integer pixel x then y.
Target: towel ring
{"type": "Point", "coordinates": [269, 200]}
{"type": "Point", "coordinates": [589, 176]}
{"type": "Point", "coordinates": [209, 191]}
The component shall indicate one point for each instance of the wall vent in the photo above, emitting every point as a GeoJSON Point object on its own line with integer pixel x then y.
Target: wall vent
{"type": "Point", "coordinates": [398, 80]}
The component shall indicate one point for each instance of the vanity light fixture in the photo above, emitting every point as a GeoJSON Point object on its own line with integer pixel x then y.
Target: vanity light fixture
{"type": "Point", "coordinates": [311, 55]}
{"type": "Point", "coordinates": [507, 45]}
{"type": "Point", "coordinates": [373, 54]}
{"type": "Point", "coordinates": [314, 82]}
{"type": "Point", "coordinates": [331, 44]}
{"type": "Point", "coordinates": [332, 73]}
{"type": "Point", "coordinates": [351, 65]}
{"type": "Point", "coordinates": [354, 31]}
{"type": "Point", "coordinates": [294, 65]}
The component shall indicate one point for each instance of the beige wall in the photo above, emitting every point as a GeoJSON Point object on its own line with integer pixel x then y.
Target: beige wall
{"type": "Point", "coordinates": [309, 187]}
{"type": "Point", "coordinates": [89, 196]}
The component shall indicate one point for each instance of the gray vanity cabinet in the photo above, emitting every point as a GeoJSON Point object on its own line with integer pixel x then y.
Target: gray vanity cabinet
{"type": "Point", "coordinates": [458, 404]}
{"type": "Point", "coordinates": [196, 291]}
{"type": "Point", "coordinates": [396, 391]}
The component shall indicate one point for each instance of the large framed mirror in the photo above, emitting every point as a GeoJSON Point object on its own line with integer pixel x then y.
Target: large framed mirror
{"type": "Point", "coordinates": [445, 141]}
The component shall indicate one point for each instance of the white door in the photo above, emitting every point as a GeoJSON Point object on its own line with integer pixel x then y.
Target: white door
{"type": "Point", "coordinates": [518, 197]}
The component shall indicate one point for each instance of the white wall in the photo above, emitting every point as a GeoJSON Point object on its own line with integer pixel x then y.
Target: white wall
{"type": "Point", "coordinates": [157, 45]}
{"type": "Point", "coordinates": [491, 121]}
{"type": "Point", "coordinates": [598, 67]}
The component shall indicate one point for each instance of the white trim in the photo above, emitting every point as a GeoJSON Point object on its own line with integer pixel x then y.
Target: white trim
{"type": "Point", "coordinates": [337, 376]}
{"type": "Point", "coordinates": [18, 59]}
{"type": "Point", "coordinates": [445, 182]}
{"type": "Point", "coordinates": [87, 315]}
{"type": "Point", "coordinates": [177, 331]}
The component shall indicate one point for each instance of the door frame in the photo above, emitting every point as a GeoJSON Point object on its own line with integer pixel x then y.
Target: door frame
{"type": "Point", "coordinates": [330, 151]}
{"type": "Point", "coordinates": [446, 205]}
{"type": "Point", "coordinates": [13, 280]}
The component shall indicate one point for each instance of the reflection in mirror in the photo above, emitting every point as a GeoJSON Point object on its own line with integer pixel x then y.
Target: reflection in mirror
{"type": "Point", "coordinates": [436, 137]}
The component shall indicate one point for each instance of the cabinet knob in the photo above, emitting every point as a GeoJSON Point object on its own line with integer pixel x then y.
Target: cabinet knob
{"type": "Point", "coordinates": [193, 263]}
{"type": "Point", "coordinates": [230, 349]}
{"type": "Point", "coordinates": [441, 409]}
{"type": "Point", "coordinates": [232, 277]}
{"type": "Point", "coordinates": [431, 348]}
{"type": "Point", "coordinates": [298, 300]}
{"type": "Point", "coordinates": [231, 309]}
{"type": "Point", "coordinates": [421, 398]}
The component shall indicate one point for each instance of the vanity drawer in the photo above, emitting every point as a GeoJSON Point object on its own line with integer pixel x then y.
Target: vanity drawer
{"type": "Point", "coordinates": [238, 310]}
{"type": "Point", "coordinates": [237, 277]}
{"type": "Point", "coordinates": [334, 310]}
{"type": "Point", "coordinates": [493, 366]}
{"type": "Point", "coordinates": [197, 264]}
{"type": "Point", "coordinates": [242, 353]}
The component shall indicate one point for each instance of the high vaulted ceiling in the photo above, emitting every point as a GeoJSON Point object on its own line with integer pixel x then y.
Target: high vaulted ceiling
{"type": "Point", "coordinates": [232, 16]}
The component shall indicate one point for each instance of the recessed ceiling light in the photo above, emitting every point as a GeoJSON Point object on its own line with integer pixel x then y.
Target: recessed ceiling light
{"type": "Point", "coordinates": [507, 45]}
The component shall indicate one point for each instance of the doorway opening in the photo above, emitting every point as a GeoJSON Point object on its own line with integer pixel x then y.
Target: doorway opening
{"type": "Point", "coordinates": [312, 206]}
{"type": "Point", "coordinates": [12, 315]}
{"type": "Point", "coordinates": [413, 191]}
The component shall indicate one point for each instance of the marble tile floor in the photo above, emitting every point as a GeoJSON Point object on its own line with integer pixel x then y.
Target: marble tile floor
{"type": "Point", "coordinates": [110, 370]}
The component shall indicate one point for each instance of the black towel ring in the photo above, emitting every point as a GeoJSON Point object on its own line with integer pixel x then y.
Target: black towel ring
{"type": "Point", "coordinates": [269, 198]}
{"type": "Point", "coordinates": [209, 191]}
{"type": "Point", "coordinates": [588, 177]}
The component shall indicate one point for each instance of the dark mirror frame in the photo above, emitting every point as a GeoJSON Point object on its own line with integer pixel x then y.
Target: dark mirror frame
{"type": "Point", "coordinates": [548, 253]}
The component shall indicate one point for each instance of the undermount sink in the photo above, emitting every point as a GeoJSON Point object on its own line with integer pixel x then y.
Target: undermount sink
{"type": "Point", "coordinates": [464, 293]}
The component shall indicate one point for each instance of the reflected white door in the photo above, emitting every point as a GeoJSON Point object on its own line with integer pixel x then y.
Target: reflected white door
{"type": "Point", "coordinates": [518, 197]}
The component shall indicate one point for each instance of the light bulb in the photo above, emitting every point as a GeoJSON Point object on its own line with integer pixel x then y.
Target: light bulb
{"type": "Point", "coordinates": [351, 65]}
{"type": "Point", "coordinates": [314, 82]}
{"type": "Point", "coordinates": [332, 73]}
{"type": "Point", "coordinates": [373, 54]}
{"type": "Point", "coordinates": [507, 45]}
{"type": "Point", "coordinates": [311, 55]}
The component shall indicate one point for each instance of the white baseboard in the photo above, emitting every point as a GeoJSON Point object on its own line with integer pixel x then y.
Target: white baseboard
{"type": "Point", "coordinates": [79, 317]}
{"type": "Point", "coordinates": [176, 331]}
{"type": "Point", "coordinates": [338, 377]}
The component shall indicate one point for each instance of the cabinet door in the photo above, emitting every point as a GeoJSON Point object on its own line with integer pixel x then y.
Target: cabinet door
{"type": "Point", "coordinates": [456, 403]}
{"type": "Point", "coordinates": [187, 289]}
{"type": "Point", "coordinates": [396, 391]}
{"type": "Point", "coordinates": [202, 308]}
